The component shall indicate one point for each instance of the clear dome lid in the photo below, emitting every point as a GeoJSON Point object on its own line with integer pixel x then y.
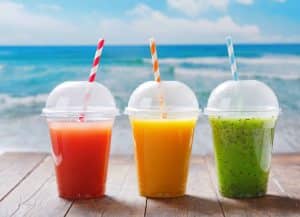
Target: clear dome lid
{"type": "Point", "coordinates": [242, 98]}
{"type": "Point", "coordinates": [71, 99]}
{"type": "Point", "coordinates": [179, 100]}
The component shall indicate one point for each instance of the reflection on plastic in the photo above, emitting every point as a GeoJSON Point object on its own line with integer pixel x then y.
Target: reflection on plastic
{"type": "Point", "coordinates": [81, 152]}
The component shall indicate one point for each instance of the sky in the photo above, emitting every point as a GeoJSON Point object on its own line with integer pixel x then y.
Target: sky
{"type": "Point", "coordinates": [69, 22]}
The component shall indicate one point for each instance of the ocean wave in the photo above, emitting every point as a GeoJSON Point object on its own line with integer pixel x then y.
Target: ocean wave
{"type": "Point", "coordinates": [8, 102]}
{"type": "Point", "coordinates": [285, 76]}
{"type": "Point", "coordinates": [268, 59]}
{"type": "Point", "coordinates": [223, 74]}
{"type": "Point", "coordinates": [137, 71]}
{"type": "Point", "coordinates": [190, 60]}
{"type": "Point", "coordinates": [2, 68]}
{"type": "Point", "coordinates": [26, 68]}
{"type": "Point", "coordinates": [202, 73]}
{"type": "Point", "coordinates": [282, 59]}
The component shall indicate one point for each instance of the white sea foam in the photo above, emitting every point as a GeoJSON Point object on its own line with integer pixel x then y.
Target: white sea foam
{"type": "Point", "coordinates": [2, 68]}
{"type": "Point", "coordinates": [68, 68]}
{"type": "Point", "coordinates": [137, 70]}
{"type": "Point", "coordinates": [270, 59]}
{"type": "Point", "coordinates": [267, 59]}
{"type": "Point", "coordinates": [216, 73]}
{"type": "Point", "coordinates": [25, 68]}
{"type": "Point", "coordinates": [207, 73]}
{"type": "Point", "coordinates": [7, 102]}
{"type": "Point", "coordinates": [191, 60]}
{"type": "Point", "coordinates": [124, 78]}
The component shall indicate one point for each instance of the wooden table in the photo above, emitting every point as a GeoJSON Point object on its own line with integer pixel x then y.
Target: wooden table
{"type": "Point", "coordinates": [28, 188]}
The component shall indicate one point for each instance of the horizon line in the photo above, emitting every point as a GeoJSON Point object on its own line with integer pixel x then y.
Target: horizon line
{"type": "Point", "coordinates": [133, 45]}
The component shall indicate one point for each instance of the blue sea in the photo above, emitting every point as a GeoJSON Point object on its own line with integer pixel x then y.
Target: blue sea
{"type": "Point", "coordinates": [29, 73]}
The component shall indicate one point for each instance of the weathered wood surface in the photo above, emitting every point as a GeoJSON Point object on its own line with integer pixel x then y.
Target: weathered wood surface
{"type": "Point", "coordinates": [28, 188]}
{"type": "Point", "coordinates": [14, 168]}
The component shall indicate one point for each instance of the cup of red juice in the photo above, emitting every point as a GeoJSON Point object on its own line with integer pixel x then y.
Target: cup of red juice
{"type": "Point", "coordinates": [80, 117]}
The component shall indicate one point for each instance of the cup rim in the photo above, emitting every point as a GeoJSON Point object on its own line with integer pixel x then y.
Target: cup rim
{"type": "Point", "coordinates": [77, 113]}
{"type": "Point", "coordinates": [269, 111]}
{"type": "Point", "coordinates": [175, 113]}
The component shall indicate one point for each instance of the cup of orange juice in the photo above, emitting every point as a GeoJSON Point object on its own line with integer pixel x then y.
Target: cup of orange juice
{"type": "Point", "coordinates": [162, 143]}
{"type": "Point", "coordinates": [80, 117]}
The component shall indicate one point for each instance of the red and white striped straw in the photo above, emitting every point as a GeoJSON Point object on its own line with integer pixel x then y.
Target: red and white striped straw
{"type": "Point", "coordinates": [157, 77]}
{"type": "Point", "coordinates": [92, 75]}
{"type": "Point", "coordinates": [96, 60]}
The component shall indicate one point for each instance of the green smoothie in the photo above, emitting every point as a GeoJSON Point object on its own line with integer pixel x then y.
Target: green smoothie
{"type": "Point", "coordinates": [243, 149]}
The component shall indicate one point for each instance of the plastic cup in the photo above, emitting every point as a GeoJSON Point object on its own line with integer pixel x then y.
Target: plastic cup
{"type": "Point", "coordinates": [243, 116]}
{"type": "Point", "coordinates": [162, 145]}
{"type": "Point", "coordinates": [80, 149]}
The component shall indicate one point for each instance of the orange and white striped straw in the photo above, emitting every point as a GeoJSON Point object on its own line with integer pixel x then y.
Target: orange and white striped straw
{"type": "Point", "coordinates": [156, 73]}
{"type": "Point", "coordinates": [154, 60]}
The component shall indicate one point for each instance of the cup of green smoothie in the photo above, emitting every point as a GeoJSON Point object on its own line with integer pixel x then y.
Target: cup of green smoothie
{"type": "Point", "coordinates": [243, 115]}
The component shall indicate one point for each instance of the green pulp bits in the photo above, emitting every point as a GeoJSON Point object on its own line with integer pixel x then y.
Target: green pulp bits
{"type": "Point", "coordinates": [243, 148]}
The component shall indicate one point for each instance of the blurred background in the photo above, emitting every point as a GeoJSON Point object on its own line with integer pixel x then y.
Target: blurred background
{"type": "Point", "coordinates": [45, 43]}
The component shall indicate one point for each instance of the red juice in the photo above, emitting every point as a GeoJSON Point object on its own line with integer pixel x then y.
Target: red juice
{"type": "Point", "coordinates": [81, 152]}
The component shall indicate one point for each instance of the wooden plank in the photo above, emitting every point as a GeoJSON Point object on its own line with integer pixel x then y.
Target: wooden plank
{"type": "Point", "coordinates": [286, 176]}
{"type": "Point", "coordinates": [45, 202]}
{"type": "Point", "coordinates": [286, 159]}
{"type": "Point", "coordinates": [35, 192]}
{"type": "Point", "coordinates": [14, 167]}
{"type": "Point", "coordinates": [36, 195]}
{"type": "Point", "coordinates": [122, 196]}
{"type": "Point", "coordinates": [27, 188]}
{"type": "Point", "coordinates": [276, 203]}
{"type": "Point", "coordinates": [200, 200]}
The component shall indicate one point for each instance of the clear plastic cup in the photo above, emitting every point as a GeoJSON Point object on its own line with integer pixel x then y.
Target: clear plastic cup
{"type": "Point", "coordinates": [162, 145]}
{"type": "Point", "coordinates": [80, 149]}
{"type": "Point", "coordinates": [243, 116]}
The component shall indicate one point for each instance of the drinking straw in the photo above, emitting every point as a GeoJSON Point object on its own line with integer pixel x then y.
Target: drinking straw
{"type": "Point", "coordinates": [232, 59]}
{"type": "Point", "coordinates": [96, 61]}
{"type": "Point", "coordinates": [157, 77]}
{"type": "Point", "coordinates": [92, 76]}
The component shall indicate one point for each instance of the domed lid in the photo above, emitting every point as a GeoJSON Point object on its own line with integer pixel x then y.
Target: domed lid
{"type": "Point", "coordinates": [71, 99]}
{"type": "Point", "coordinates": [242, 98]}
{"type": "Point", "coordinates": [179, 100]}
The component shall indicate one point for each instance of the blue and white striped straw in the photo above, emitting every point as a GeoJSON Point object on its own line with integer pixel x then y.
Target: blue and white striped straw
{"type": "Point", "coordinates": [232, 59]}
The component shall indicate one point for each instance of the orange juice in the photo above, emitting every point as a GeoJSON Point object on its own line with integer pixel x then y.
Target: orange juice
{"type": "Point", "coordinates": [81, 151]}
{"type": "Point", "coordinates": [162, 152]}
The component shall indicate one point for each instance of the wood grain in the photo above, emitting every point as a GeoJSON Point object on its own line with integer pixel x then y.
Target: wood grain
{"type": "Point", "coordinates": [33, 192]}
{"type": "Point", "coordinates": [14, 167]}
{"type": "Point", "coordinates": [36, 195]}
{"type": "Point", "coordinates": [45, 202]}
{"type": "Point", "coordinates": [16, 199]}
{"type": "Point", "coordinates": [286, 177]}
